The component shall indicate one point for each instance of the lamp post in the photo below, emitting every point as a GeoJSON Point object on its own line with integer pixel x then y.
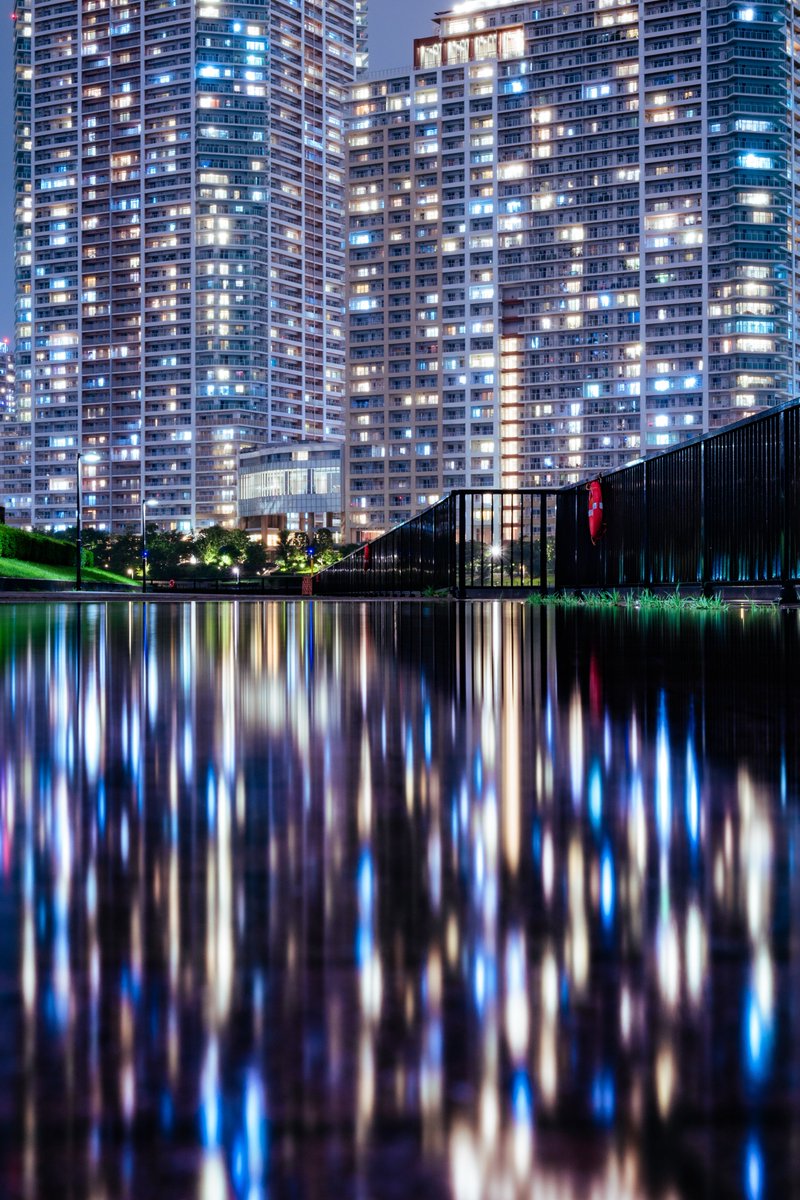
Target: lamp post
{"type": "Point", "coordinates": [78, 547]}
{"type": "Point", "coordinates": [90, 457]}
{"type": "Point", "coordinates": [144, 544]}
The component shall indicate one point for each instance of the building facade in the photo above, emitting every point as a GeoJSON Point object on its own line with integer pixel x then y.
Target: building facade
{"type": "Point", "coordinates": [572, 241]}
{"type": "Point", "coordinates": [180, 265]}
{"type": "Point", "coordinates": [362, 35]}
{"type": "Point", "coordinates": [15, 447]}
{"type": "Point", "coordinates": [423, 306]}
{"type": "Point", "coordinates": [296, 487]}
{"type": "Point", "coordinates": [8, 386]}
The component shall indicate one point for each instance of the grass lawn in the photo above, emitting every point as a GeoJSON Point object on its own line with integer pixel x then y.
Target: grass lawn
{"type": "Point", "coordinates": [16, 568]}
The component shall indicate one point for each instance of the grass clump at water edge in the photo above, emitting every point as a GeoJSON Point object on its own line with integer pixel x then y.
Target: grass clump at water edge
{"type": "Point", "coordinates": [645, 601]}
{"type": "Point", "coordinates": [576, 599]}
{"type": "Point", "coordinates": [674, 602]}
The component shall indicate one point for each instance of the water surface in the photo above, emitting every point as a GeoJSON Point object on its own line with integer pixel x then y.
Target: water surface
{"type": "Point", "coordinates": [397, 899]}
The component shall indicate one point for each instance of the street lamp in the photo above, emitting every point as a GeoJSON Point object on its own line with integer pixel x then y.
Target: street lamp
{"type": "Point", "coordinates": [78, 547]}
{"type": "Point", "coordinates": [91, 458]}
{"type": "Point", "coordinates": [144, 543]}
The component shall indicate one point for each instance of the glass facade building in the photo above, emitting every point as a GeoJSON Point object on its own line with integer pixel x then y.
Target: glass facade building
{"type": "Point", "coordinates": [572, 241]}
{"type": "Point", "coordinates": [295, 487]}
{"type": "Point", "coordinates": [179, 253]}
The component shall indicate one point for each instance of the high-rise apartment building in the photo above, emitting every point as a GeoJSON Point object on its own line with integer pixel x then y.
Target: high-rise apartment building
{"type": "Point", "coordinates": [423, 381]}
{"type": "Point", "coordinates": [572, 241]}
{"type": "Point", "coordinates": [180, 262]}
{"type": "Point", "coordinates": [362, 44]}
{"type": "Point", "coordinates": [14, 433]}
{"type": "Point", "coordinates": [8, 387]}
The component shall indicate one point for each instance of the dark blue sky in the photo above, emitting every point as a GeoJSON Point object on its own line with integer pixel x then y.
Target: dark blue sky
{"type": "Point", "coordinates": [393, 27]}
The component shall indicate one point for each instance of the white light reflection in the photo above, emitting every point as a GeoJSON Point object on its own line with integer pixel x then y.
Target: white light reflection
{"type": "Point", "coordinates": [578, 935]}
{"type": "Point", "coordinates": [517, 1011]}
{"type": "Point", "coordinates": [576, 748]}
{"type": "Point", "coordinates": [695, 954]}
{"type": "Point", "coordinates": [92, 725]}
{"type": "Point", "coordinates": [465, 1171]}
{"type": "Point", "coordinates": [665, 1079]}
{"type": "Point", "coordinates": [668, 961]}
{"type": "Point", "coordinates": [548, 1032]}
{"type": "Point", "coordinates": [213, 1178]}
{"type": "Point", "coordinates": [548, 866]}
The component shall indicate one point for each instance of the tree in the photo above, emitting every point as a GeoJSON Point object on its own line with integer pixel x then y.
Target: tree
{"type": "Point", "coordinates": [167, 550]}
{"type": "Point", "coordinates": [125, 553]}
{"type": "Point", "coordinates": [325, 551]}
{"type": "Point", "coordinates": [220, 547]}
{"type": "Point", "coordinates": [255, 558]}
{"type": "Point", "coordinates": [292, 557]}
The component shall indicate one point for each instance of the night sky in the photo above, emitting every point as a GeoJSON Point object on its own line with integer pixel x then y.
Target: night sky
{"type": "Point", "coordinates": [393, 27]}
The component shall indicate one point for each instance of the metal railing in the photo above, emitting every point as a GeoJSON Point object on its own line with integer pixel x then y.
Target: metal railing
{"type": "Point", "coordinates": [721, 510]}
{"type": "Point", "coordinates": [276, 584]}
{"type": "Point", "coordinates": [470, 540]}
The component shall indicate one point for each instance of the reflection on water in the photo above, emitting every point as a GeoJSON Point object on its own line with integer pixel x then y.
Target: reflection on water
{"type": "Point", "coordinates": [387, 900]}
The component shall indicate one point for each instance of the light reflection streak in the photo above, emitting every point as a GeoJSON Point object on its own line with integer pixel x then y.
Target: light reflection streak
{"type": "Point", "coordinates": [255, 877]}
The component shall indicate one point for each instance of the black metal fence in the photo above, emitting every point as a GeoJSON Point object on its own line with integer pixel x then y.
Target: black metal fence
{"type": "Point", "coordinates": [487, 539]}
{"type": "Point", "coordinates": [724, 509]}
{"type": "Point", "coordinates": [721, 510]}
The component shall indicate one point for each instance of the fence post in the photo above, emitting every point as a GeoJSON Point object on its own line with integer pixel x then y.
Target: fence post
{"type": "Point", "coordinates": [543, 543]}
{"type": "Point", "coordinates": [462, 546]}
{"type": "Point", "coordinates": [788, 589]}
{"type": "Point", "coordinates": [705, 557]}
{"type": "Point", "coordinates": [646, 571]}
{"type": "Point", "coordinates": [575, 518]}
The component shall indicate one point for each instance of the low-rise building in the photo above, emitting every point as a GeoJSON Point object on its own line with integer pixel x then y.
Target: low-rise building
{"type": "Point", "coordinates": [293, 486]}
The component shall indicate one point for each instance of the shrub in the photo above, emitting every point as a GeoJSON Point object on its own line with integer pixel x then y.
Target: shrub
{"type": "Point", "coordinates": [35, 547]}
